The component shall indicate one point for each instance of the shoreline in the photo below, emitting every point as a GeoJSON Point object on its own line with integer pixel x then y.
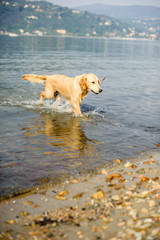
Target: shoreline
{"type": "Point", "coordinates": [83, 37]}
{"type": "Point", "coordinates": [119, 202]}
{"type": "Point", "coordinates": [32, 190]}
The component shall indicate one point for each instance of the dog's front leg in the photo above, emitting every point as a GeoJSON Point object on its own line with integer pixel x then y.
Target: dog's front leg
{"type": "Point", "coordinates": [76, 109]}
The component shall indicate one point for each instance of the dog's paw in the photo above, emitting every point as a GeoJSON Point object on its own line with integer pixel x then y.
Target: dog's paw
{"type": "Point", "coordinates": [79, 115]}
{"type": "Point", "coordinates": [40, 102]}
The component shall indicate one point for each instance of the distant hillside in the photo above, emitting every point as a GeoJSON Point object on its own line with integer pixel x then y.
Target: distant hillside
{"type": "Point", "coordinates": [44, 18]}
{"type": "Point", "coordinates": [137, 12]}
{"type": "Point", "coordinates": [143, 19]}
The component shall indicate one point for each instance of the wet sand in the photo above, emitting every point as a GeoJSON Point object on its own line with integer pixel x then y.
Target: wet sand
{"type": "Point", "coordinates": [122, 202]}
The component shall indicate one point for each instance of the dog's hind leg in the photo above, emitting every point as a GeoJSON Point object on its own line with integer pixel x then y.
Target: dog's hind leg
{"type": "Point", "coordinates": [47, 94]}
{"type": "Point", "coordinates": [41, 99]}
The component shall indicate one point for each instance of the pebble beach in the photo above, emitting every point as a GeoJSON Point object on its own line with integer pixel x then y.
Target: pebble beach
{"type": "Point", "coordinates": [117, 203]}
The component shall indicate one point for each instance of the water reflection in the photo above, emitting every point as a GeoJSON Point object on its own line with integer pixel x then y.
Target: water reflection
{"type": "Point", "coordinates": [65, 137]}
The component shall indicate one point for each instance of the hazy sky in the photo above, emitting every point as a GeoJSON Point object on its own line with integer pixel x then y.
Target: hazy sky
{"type": "Point", "coordinates": [74, 3]}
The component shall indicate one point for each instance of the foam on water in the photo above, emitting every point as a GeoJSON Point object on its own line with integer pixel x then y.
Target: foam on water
{"type": "Point", "coordinates": [50, 106]}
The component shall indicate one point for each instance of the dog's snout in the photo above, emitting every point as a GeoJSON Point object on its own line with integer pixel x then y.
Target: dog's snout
{"type": "Point", "coordinates": [100, 90]}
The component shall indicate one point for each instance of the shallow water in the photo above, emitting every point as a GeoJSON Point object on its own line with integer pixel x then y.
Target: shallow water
{"type": "Point", "coordinates": [43, 144]}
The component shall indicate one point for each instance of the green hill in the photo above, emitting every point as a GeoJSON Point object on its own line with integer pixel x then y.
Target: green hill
{"type": "Point", "coordinates": [45, 18]}
{"type": "Point", "coordinates": [40, 17]}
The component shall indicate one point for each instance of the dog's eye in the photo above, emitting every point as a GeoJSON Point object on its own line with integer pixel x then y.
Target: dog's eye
{"type": "Point", "coordinates": [93, 82]}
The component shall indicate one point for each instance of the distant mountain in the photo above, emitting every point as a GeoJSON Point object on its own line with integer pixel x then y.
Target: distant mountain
{"type": "Point", "coordinates": [132, 12]}
{"type": "Point", "coordinates": [143, 19]}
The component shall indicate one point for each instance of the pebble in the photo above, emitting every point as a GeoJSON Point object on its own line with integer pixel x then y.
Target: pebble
{"type": "Point", "coordinates": [151, 203]}
{"type": "Point", "coordinates": [99, 194]}
{"type": "Point", "coordinates": [144, 212]}
{"type": "Point", "coordinates": [133, 213]}
{"type": "Point", "coordinates": [116, 197]}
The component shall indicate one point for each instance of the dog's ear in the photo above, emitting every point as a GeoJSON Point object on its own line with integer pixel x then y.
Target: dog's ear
{"type": "Point", "coordinates": [83, 82]}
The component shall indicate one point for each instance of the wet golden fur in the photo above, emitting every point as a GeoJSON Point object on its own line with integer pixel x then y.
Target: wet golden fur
{"type": "Point", "coordinates": [73, 89]}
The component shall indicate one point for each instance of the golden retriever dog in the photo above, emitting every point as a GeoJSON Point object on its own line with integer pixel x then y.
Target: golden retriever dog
{"type": "Point", "coordinates": [72, 89]}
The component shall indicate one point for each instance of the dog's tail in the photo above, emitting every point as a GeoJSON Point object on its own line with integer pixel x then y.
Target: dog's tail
{"type": "Point", "coordinates": [34, 78]}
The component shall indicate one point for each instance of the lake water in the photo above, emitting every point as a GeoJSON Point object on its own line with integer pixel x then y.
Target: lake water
{"type": "Point", "coordinates": [45, 144]}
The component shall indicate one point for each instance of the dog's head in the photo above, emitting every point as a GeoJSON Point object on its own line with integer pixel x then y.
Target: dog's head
{"type": "Point", "coordinates": [89, 82]}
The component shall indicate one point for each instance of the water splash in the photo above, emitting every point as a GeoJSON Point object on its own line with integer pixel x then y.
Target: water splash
{"type": "Point", "coordinates": [49, 106]}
